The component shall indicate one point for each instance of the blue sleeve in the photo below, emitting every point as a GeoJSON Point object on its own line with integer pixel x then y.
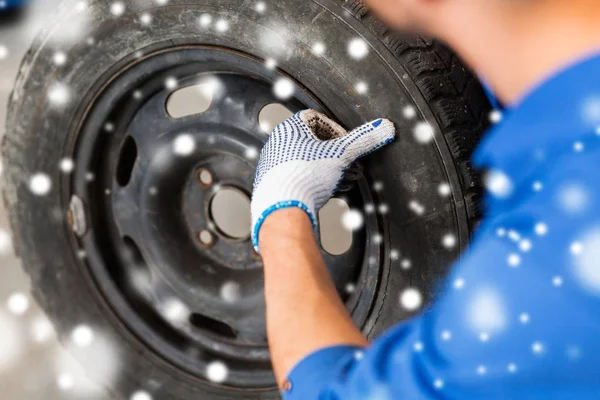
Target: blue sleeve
{"type": "Point", "coordinates": [518, 319]}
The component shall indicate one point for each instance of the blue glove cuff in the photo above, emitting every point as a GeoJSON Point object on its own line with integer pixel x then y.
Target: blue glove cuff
{"type": "Point", "coordinates": [278, 206]}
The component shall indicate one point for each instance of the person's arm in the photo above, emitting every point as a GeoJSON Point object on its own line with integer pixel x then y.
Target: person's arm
{"type": "Point", "coordinates": [298, 171]}
{"type": "Point", "coordinates": [304, 310]}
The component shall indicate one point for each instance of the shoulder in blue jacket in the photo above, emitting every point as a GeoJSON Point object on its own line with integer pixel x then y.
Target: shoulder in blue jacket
{"type": "Point", "coordinates": [520, 315]}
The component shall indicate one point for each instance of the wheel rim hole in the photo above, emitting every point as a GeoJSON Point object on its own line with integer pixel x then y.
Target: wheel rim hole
{"type": "Point", "coordinates": [204, 178]}
{"type": "Point", "coordinates": [272, 115]}
{"type": "Point", "coordinates": [212, 325]}
{"type": "Point", "coordinates": [230, 212]}
{"type": "Point", "coordinates": [336, 238]}
{"type": "Point", "coordinates": [206, 238]}
{"type": "Point", "coordinates": [190, 100]}
{"type": "Point", "coordinates": [126, 162]}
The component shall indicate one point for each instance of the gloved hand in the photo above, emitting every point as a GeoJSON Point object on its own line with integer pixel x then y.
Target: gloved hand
{"type": "Point", "coordinates": [304, 161]}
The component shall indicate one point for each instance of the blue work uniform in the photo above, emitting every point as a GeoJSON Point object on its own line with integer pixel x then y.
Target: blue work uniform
{"type": "Point", "coordinates": [519, 317]}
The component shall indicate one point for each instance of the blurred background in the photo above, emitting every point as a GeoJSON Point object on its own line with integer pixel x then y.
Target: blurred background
{"type": "Point", "coordinates": [32, 364]}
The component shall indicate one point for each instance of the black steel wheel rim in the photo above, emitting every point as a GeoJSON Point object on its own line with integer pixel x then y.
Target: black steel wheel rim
{"type": "Point", "coordinates": [142, 245]}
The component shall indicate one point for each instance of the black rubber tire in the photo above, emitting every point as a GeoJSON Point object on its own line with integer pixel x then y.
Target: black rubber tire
{"type": "Point", "coordinates": [400, 71]}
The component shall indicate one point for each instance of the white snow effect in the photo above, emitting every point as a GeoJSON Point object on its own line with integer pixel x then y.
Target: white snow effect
{"type": "Point", "coordinates": [318, 48]}
{"type": "Point", "coordinates": [495, 116]}
{"type": "Point", "coordinates": [444, 189]}
{"type": "Point", "coordinates": [3, 52]}
{"type": "Point", "coordinates": [40, 184]}
{"type": "Point", "coordinates": [438, 384]}
{"type": "Point", "coordinates": [498, 184]}
{"type": "Point", "coordinates": [423, 132]}
{"type": "Point", "coordinates": [184, 145]}
{"type": "Point", "coordinates": [576, 248]}
{"type": "Point", "coordinates": [446, 335]}
{"type": "Point", "coordinates": [137, 94]}
{"type": "Point", "coordinates": [377, 186]}
{"type": "Point", "coordinates": [205, 20]}
{"type": "Point", "coordinates": [411, 299]}
{"type": "Point", "coordinates": [459, 283]}
{"type": "Point", "coordinates": [383, 209]}
{"type": "Point", "coordinates": [394, 255]}
{"type": "Point", "coordinates": [161, 2]}
{"type": "Point", "coordinates": [352, 220]}
{"type": "Point", "coordinates": [578, 146]}
{"type": "Point", "coordinates": [573, 198]}
{"type": "Point", "coordinates": [377, 238]}
{"type": "Point", "coordinates": [524, 318]}
{"type": "Point", "coordinates": [449, 241]}
{"type": "Point", "coordinates": [230, 292]}
{"type": "Point", "coordinates": [283, 88]}
{"type": "Point", "coordinates": [270, 63]}
{"type": "Point", "coordinates": [501, 232]}
{"type": "Point", "coordinates": [359, 355]}
{"type": "Point", "coordinates": [525, 245]}
{"type": "Point", "coordinates": [585, 263]}
{"type": "Point", "coordinates": [484, 336]}
{"type": "Point", "coordinates": [350, 288]}
{"type": "Point", "coordinates": [18, 303]}
{"type": "Point", "coordinates": [217, 372]}
{"type": "Point", "coordinates": [5, 242]}
{"type": "Point", "coordinates": [10, 341]}
{"type": "Point", "coordinates": [59, 58]}
{"type": "Point", "coordinates": [82, 336]}
{"type": "Point", "coordinates": [251, 153]}
{"type": "Point", "coordinates": [222, 25]}
{"type": "Point", "coordinates": [141, 395]}
{"type": "Point", "coordinates": [486, 312]}
{"type": "Point", "coordinates": [59, 94]}
{"type": "Point", "coordinates": [406, 263]}
{"type": "Point", "coordinates": [537, 347]}
{"type": "Point", "coordinates": [481, 370]}
{"type": "Point", "coordinates": [409, 112]}
{"type": "Point", "coordinates": [370, 208]}
{"type": "Point", "coordinates": [66, 165]}
{"type": "Point", "coordinates": [557, 281]}
{"type": "Point", "coordinates": [99, 362]}
{"type": "Point", "coordinates": [591, 110]}
{"type": "Point", "coordinates": [117, 8]}
{"type": "Point", "coordinates": [41, 329]}
{"type": "Point", "coordinates": [541, 229]}
{"type": "Point", "coordinates": [512, 368]}
{"type": "Point", "coordinates": [358, 48]}
{"type": "Point", "coordinates": [418, 347]}
{"type": "Point", "coordinates": [514, 235]}
{"type": "Point", "coordinates": [573, 352]}
{"type": "Point", "coordinates": [598, 130]}
{"type": "Point", "coordinates": [175, 311]}
{"type": "Point", "coordinates": [537, 186]}
{"type": "Point", "coordinates": [361, 87]}
{"type": "Point", "coordinates": [416, 207]}
{"type": "Point", "coordinates": [171, 83]}
{"type": "Point", "coordinates": [260, 7]}
{"type": "Point", "coordinates": [65, 382]}
{"type": "Point", "coordinates": [81, 6]}
{"type": "Point", "coordinates": [109, 127]}
{"type": "Point", "coordinates": [513, 260]}
{"type": "Point", "coordinates": [146, 19]}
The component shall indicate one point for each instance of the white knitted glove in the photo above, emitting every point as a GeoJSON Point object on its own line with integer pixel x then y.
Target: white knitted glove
{"type": "Point", "coordinates": [304, 161]}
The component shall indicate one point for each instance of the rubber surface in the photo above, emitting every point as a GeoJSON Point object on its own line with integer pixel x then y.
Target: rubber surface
{"type": "Point", "coordinates": [399, 71]}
